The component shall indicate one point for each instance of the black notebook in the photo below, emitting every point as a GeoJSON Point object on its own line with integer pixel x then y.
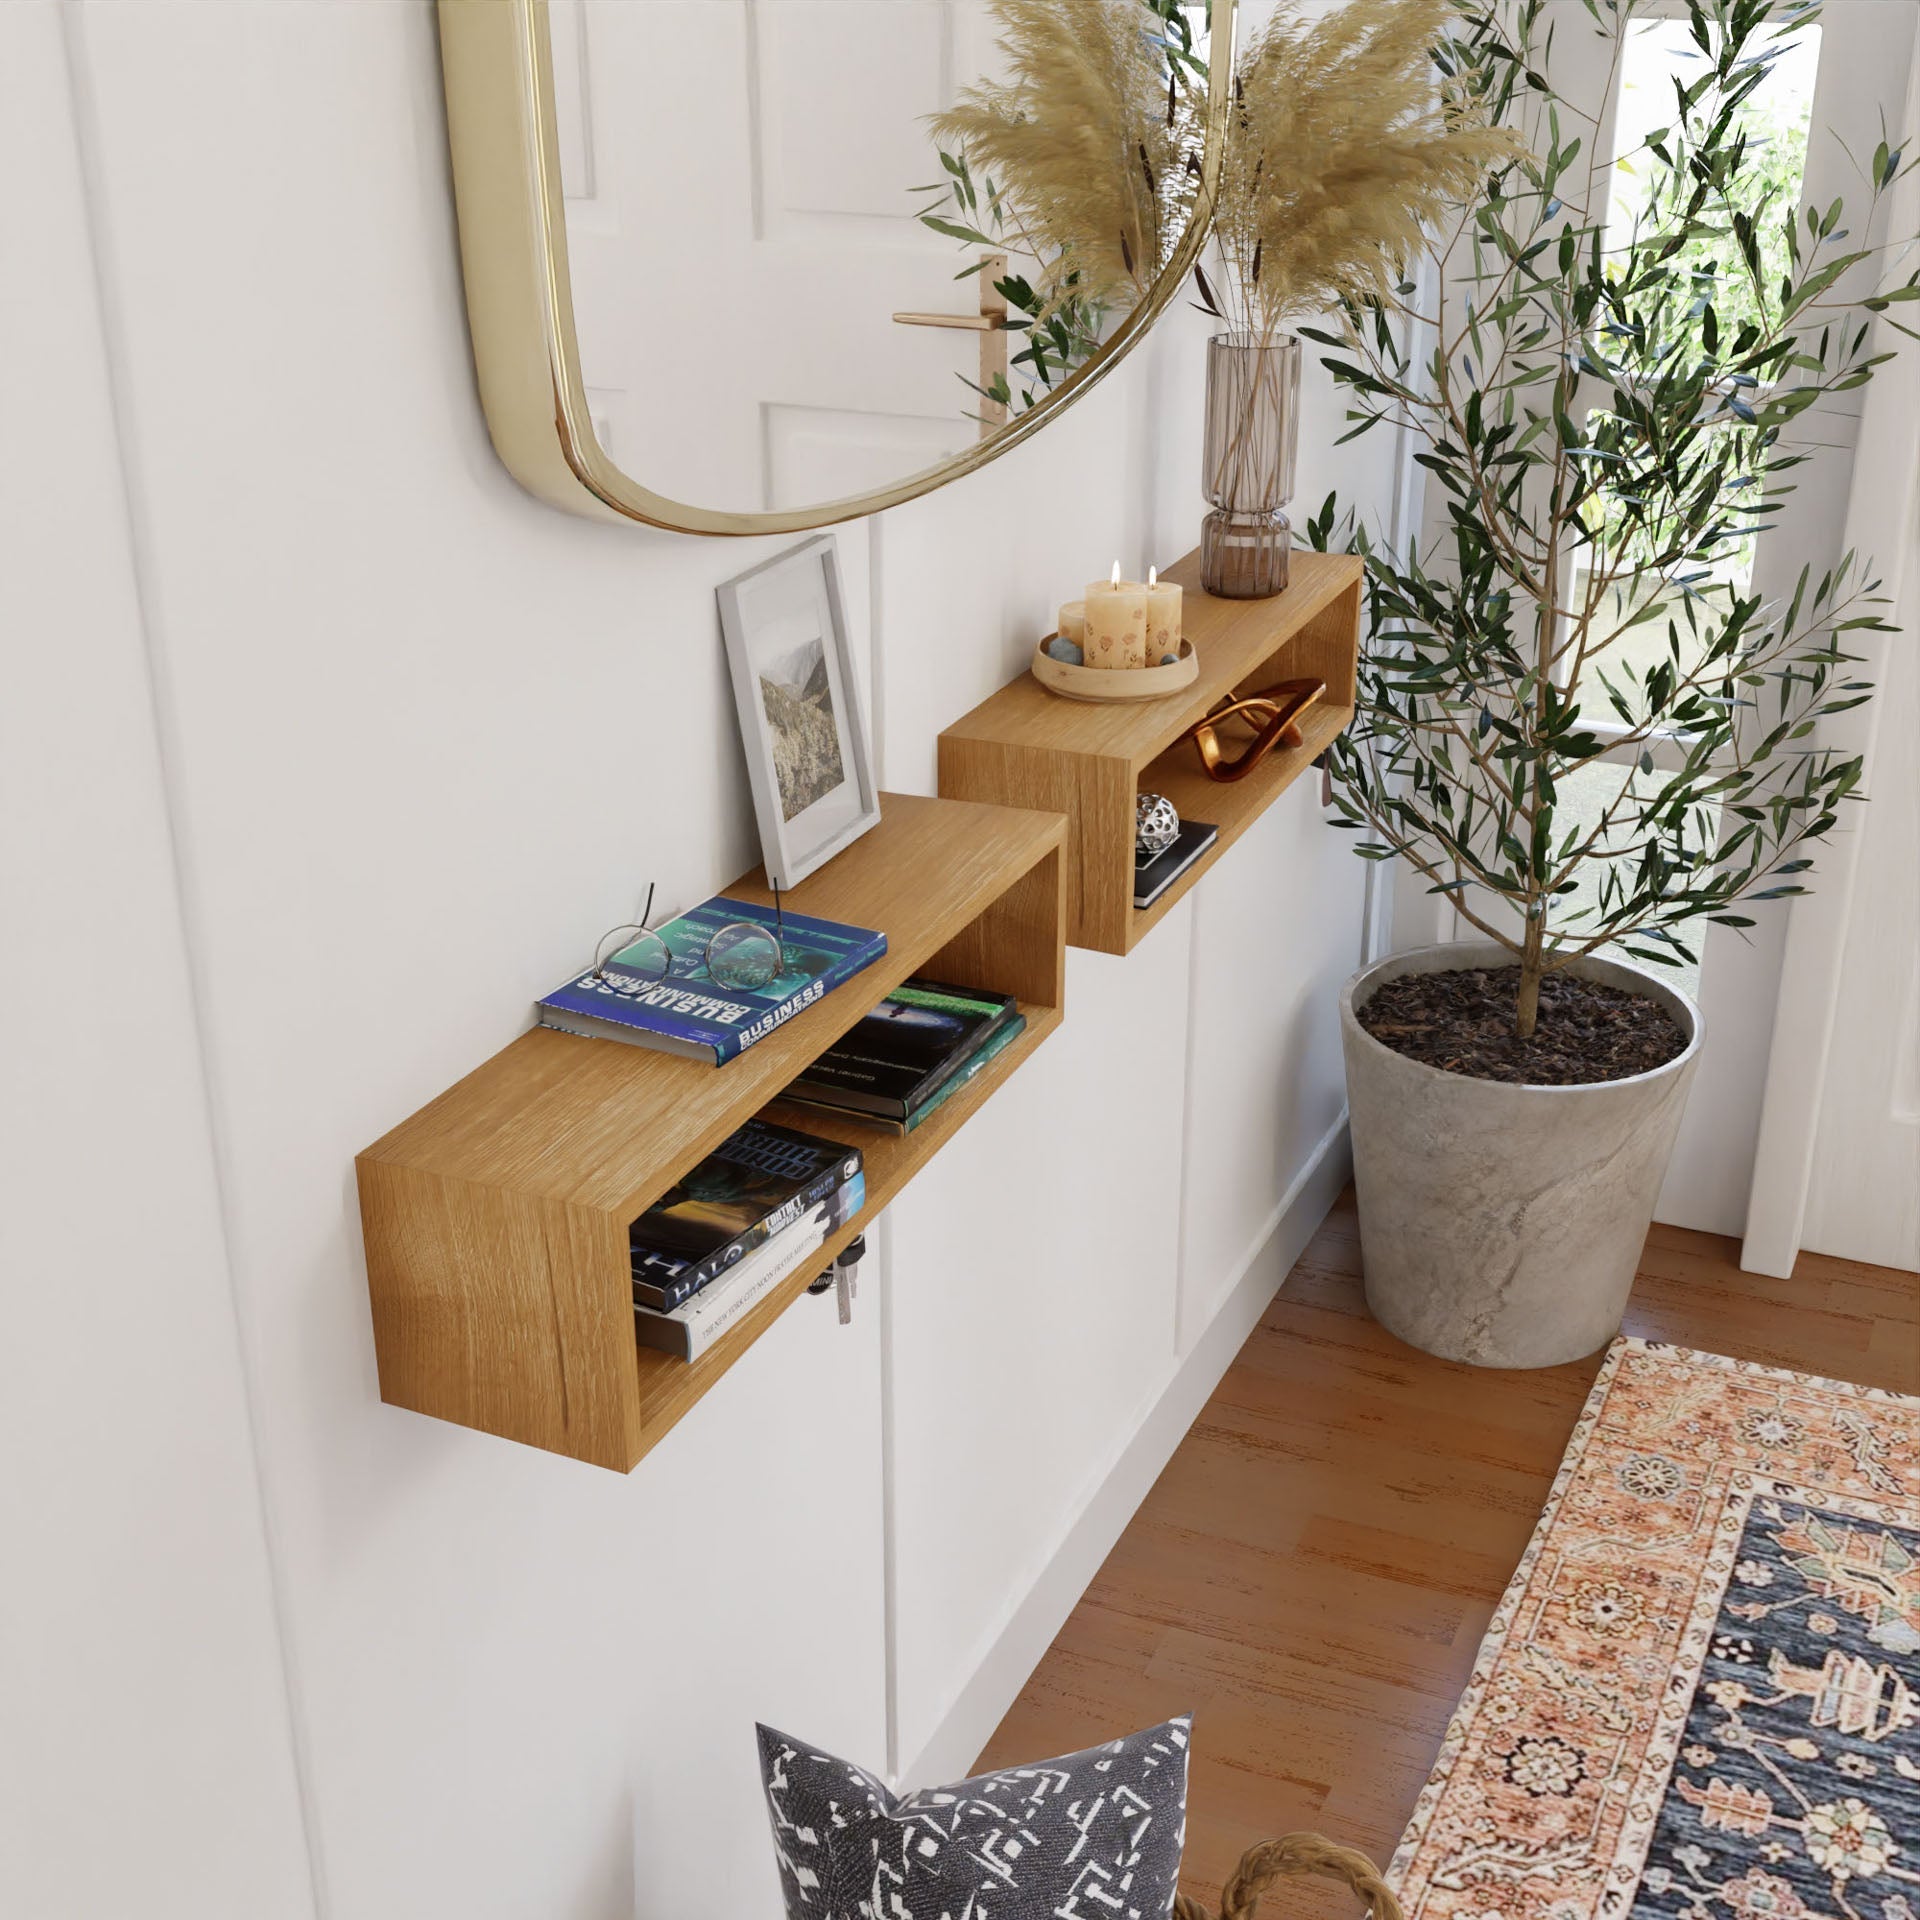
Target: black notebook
{"type": "Point", "coordinates": [1154, 873]}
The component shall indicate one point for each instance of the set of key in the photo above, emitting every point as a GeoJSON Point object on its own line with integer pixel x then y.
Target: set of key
{"type": "Point", "coordinates": [844, 1277]}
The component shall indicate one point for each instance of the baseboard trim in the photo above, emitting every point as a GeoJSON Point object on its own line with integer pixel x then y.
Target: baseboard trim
{"type": "Point", "coordinates": [1112, 1501]}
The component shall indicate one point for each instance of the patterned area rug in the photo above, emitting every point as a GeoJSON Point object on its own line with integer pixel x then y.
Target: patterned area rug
{"type": "Point", "coordinates": [1700, 1697]}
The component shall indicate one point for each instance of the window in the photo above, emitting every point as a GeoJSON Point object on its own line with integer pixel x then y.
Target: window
{"type": "Point", "coordinates": [1778, 113]}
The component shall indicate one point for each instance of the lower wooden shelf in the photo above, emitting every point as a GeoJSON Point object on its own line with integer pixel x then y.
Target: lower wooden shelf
{"type": "Point", "coordinates": [669, 1387]}
{"type": "Point", "coordinates": [496, 1218]}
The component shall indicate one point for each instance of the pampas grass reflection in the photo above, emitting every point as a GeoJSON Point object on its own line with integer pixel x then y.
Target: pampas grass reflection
{"type": "Point", "coordinates": [1088, 142]}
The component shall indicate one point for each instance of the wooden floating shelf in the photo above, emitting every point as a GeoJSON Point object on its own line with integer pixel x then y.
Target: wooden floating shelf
{"type": "Point", "coordinates": [1025, 747]}
{"type": "Point", "coordinates": [496, 1218]}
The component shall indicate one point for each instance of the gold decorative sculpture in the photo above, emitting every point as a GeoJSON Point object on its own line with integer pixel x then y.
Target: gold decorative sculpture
{"type": "Point", "coordinates": [1273, 712]}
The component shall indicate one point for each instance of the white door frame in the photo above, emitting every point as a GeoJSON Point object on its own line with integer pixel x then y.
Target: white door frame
{"type": "Point", "coordinates": [1884, 520]}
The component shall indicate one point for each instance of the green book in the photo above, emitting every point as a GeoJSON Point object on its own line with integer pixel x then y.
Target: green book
{"type": "Point", "coordinates": [997, 1041]}
{"type": "Point", "coordinates": [900, 1055]}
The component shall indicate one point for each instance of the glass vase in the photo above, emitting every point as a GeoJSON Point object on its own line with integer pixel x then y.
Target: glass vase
{"type": "Point", "coordinates": [1253, 429]}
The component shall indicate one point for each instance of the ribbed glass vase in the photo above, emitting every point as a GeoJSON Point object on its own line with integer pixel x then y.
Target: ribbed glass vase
{"type": "Point", "coordinates": [1253, 429]}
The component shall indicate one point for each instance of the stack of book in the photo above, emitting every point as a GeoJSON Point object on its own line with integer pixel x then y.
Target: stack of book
{"type": "Point", "coordinates": [1154, 873]}
{"type": "Point", "coordinates": [720, 1240]}
{"type": "Point", "coordinates": [913, 1052]}
{"type": "Point", "coordinates": [693, 1014]}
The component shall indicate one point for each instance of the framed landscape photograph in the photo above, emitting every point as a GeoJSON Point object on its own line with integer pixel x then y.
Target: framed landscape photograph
{"type": "Point", "coordinates": [800, 722]}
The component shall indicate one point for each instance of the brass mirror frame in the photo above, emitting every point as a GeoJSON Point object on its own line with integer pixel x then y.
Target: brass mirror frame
{"type": "Point", "coordinates": [497, 59]}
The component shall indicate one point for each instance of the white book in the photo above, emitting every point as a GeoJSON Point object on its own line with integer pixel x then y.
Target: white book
{"type": "Point", "coordinates": [688, 1331]}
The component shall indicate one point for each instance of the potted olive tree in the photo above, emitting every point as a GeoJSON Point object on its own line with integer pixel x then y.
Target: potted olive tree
{"type": "Point", "coordinates": [1605, 405]}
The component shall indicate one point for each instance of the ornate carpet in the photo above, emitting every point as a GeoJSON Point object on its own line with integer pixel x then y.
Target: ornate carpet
{"type": "Point", "coordinates": [1700, 1696]}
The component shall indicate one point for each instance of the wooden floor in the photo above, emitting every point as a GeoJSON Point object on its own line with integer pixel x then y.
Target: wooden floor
{"type": "Point", "coordinates": [1313, 1572]}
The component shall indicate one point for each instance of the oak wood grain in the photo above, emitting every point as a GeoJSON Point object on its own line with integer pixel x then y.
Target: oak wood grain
{"type": "Point", "coordinates": [1312, 1573]}
{"type": "Point", "coordinates": [495, 1219]}
{"type": "Point", "coordinates": [605, 1125]}
{"type": "Point", "coordinates": [1232, 639]}
{"type": "Point", "coordinates": [1026, 747]}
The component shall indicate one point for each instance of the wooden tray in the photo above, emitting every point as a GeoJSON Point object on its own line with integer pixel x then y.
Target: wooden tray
{"type": "Point", "coordinates": [1114, 683]}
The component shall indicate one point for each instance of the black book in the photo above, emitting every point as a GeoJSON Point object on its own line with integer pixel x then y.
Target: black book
{"type": "Point", "coordinates": [1153, 874]}
{"type": "Point", "coordinates": [899, 1057]}
{"type": "Point", "coordinates": [753, 1184]}
{"type": "Point", "coordinates": [996, 1042]}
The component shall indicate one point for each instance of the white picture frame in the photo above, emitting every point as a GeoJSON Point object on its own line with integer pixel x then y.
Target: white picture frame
{"type": "Point", "coordinates": [798, 697]}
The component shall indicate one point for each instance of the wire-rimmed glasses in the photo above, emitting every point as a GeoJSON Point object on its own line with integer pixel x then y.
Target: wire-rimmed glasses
{"type": "Point", "coordinates": [742, 955]}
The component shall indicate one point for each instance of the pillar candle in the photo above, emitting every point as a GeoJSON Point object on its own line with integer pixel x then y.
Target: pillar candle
{"type": "Point", "coordinates": [1073, 622]}
{"type": "Point", "coordinates": [1163, 618]}
{"type": "Point", "coordinates": [1116, 622]}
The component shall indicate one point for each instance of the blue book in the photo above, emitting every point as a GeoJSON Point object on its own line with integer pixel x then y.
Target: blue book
{"type": "Point", "coordinates": [692, 1014]}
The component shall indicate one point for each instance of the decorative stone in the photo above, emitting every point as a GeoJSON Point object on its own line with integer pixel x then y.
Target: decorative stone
{"type": "Point", "coordinates": [1169, 659]}
{"type": "Point", "coordinates": [1499, 1224]}
{"type": "Point", "coordinates": [1068, 652]}
{"type": "Point", "coordinates": [1155, 823]}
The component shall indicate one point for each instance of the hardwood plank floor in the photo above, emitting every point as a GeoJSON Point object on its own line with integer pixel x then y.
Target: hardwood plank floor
{"type": "Point", "coordinates": [1312, 1573]}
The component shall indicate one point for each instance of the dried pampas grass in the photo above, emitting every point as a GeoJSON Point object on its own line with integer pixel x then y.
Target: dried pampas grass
{"type": "Point", "coordinates": [1344, 147]}
{"type": "Point", "coordinates": [1086, 143]}
{"type": "Point", "coordinates": [1345, 143]}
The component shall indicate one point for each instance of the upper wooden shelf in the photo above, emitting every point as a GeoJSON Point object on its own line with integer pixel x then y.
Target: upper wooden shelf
{"type": "Point", "coordinates": [496, 1218]}
{"type": "Point", "coordinates": [1026, 747]}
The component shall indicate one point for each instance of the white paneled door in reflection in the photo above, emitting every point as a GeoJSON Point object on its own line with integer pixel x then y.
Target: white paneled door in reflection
{"type": "Point", "coordinates": [739, 179]}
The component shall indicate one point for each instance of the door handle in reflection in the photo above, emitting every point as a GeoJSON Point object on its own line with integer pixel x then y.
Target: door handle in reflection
{"type": "Point", "coordinates": [990, 323]}
{"type": "Point", "coordinates": [962, 322]}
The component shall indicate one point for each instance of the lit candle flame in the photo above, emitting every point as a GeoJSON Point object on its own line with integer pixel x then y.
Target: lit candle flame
{"type": "Point", "coordinates": [1116, 573]}
{"type": "Point", "coordinates": [1153, 575]}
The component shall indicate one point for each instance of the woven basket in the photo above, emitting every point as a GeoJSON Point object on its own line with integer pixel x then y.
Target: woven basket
{"type": "Point", "coordinates": [1297, 1856]}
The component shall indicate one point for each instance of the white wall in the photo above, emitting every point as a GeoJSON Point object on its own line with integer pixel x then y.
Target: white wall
{"type": "Point", "coordinates": [146, 1762]}
{"type": "Point", "coordinates": [374, 752]}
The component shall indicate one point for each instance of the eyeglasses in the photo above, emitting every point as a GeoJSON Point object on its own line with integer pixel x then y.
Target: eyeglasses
{"type": "Point", "coordinates": [1273, 711]}
{"type": "Point", "coordinates": [742, 955]}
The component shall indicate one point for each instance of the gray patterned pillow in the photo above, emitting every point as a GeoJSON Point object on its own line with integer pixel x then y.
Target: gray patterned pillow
{"type": "Point", "coordinates": [1093, 1836]}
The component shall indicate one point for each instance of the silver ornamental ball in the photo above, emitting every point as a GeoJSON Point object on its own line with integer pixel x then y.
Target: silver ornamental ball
{"type": "Point", "coordinates": [1155, 824]}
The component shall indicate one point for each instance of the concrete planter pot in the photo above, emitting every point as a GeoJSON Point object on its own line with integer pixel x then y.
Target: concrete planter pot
{"type": "Point", "coordinates": [1499, 1224]}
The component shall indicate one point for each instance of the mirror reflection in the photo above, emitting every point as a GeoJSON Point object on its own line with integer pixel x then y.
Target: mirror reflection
{"type": "Point", "coordinates": [792, 282]}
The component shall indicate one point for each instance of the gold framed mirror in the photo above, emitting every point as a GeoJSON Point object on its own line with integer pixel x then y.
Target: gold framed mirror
{"type": "Point", "coordinates": [701, 290]}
